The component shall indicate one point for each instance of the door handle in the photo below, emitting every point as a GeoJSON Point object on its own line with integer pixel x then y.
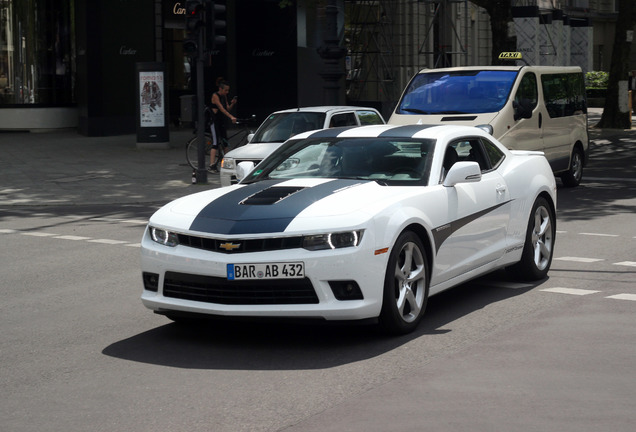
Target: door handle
{"type": "Point", "coordinates": [501, 189]}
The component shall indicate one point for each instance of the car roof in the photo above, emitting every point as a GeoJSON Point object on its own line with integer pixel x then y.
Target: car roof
{"type": "Point", "coordinates": [325, 109]}
{"type": "Point", "coordinates": [397, 131]}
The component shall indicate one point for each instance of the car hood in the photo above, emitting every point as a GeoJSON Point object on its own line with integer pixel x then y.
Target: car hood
{"type": "Point", "coordinates": [253, 151]}
{"type": "Point", "coordinates": [275, 206]}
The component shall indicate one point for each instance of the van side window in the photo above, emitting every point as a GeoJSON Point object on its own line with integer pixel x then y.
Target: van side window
{"type": "Point", "coordinates": [527, 94]}
{"type": "Point", "coordinates": [564, 94]}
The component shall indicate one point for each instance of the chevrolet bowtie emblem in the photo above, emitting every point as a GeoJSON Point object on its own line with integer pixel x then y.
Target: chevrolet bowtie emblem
{"type": "Point", "coordinates": [229, 246]}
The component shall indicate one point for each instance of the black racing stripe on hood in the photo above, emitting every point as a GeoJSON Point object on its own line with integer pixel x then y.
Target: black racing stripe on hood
{"type": "Point", "coordinates": [229, 214]}
{"type": "Point", "coordinates": [442, 233]}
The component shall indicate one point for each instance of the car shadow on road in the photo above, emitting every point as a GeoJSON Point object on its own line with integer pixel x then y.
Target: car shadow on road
{"type": "Point", "coordinates": [242, 345]}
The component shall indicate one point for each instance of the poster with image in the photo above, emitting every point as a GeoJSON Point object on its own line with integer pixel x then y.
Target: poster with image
{"type": "Point", "coordinates": [151, 94]}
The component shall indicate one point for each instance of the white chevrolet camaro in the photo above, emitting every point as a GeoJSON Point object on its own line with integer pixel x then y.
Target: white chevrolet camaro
{"type": "Point", "coordinates": [353, 224]}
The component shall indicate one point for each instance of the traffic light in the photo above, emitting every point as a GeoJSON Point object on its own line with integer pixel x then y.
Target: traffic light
{"type": "Point", "coordinates": [194, 21]}
{"type": "Point", "coordinates": [214, 24]}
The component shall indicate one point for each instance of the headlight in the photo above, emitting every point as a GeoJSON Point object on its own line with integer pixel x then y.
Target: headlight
{"type": "Point", "coordinates": [332, 240]}
{"type": "Point", "coordinates": [164, 237]}
{"type": "Point", "coordinates": [228, 163]}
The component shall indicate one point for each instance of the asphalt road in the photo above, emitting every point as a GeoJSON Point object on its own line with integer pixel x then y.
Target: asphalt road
{"type": "Point", "coordinates": [80, 353]}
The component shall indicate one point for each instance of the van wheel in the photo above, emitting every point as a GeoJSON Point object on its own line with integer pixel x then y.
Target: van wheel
{"type": "Point", "coordinates": [572, 177]}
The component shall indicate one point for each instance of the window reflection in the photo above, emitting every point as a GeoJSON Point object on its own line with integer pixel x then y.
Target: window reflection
{"type": "Point", "coordinates": [37, 61]}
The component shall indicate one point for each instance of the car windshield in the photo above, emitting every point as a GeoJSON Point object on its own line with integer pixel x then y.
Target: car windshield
{"type": "Point", "coordinates": [382, 159]}
{"type": "Point", "coordinates": [282, 126]}
{"type": "Point", "coordinates": [465, 92]}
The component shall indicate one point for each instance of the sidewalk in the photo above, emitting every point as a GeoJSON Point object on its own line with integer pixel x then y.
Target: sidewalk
{"type": "Point", "coordinates": [65, 168]}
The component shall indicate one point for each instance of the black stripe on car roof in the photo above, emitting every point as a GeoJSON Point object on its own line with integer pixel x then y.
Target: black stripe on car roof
{"type": "Point", "coordinates": [330, 132]}
{"type": "Point", "coordinates": [406, 131]}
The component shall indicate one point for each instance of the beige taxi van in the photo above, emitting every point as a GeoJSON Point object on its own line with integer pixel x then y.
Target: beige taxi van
{"type": "Point", "coordinates": [525, 107]}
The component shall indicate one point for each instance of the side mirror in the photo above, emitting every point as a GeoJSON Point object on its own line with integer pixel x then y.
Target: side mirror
{"type": "Point", "coordinates": [249, 137]}
{"type": "Point", "coordinates": [522, 109]}
{"type": "Point", "coordinates": [243, 169]}
{"type": "Point", "coordinates": [462, 172]}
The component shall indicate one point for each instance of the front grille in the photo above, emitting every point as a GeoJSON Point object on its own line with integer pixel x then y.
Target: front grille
{"type": "Point", "coordinates": [238, 246]}
{"type": "Point", "coordinates": [218, 290]}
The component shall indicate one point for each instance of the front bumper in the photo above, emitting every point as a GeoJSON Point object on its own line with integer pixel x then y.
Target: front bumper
{"type": "Point", "coordinates": [191, 280]}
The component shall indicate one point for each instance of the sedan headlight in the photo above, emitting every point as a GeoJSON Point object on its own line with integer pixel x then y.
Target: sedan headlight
{"type": "Point", "coordinates": [332, 240]}
{"type": "Point", "coordinates": [163, 237]}
{"type": "Point", "coordinates": [228, 163]}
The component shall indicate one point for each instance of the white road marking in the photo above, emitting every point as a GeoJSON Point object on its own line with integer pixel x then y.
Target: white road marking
{"type": "Point", "coordinates": [8, 231]}
{"type": "Point", "coordinates": [72, 237]}
{"type": "Point", "coordinates": [572, 291]}
{"type": "Point", "coordinates": [108, 241]}
{"type": "Point", "coordinates": [598, 234]}
{"type": "Point", "coordinates": [579, 259]}
{"type": "Point", "coordinates": [631, 297]}
{"type": "Point", "coordinates": [626, 263]}
{"type": "Point", "coordinates": [130, 221]}
{"type": "Point", "coordinates": [38, 234]}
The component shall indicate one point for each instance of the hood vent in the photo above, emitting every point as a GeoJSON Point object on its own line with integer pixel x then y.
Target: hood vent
{"type": "Point", "coordinates": [458, 118]}
{"type": "Point", "coordinates": [271, 195]}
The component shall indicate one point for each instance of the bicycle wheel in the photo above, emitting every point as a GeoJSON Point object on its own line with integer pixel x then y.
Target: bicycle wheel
{"type": "Point", "coordinates": [192, 151]}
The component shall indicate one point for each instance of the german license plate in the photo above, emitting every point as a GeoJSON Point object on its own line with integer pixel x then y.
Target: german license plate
{"type": "Point", "coordinates": [293, 270]}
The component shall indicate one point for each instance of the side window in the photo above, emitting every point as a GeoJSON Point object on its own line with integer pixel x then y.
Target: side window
{"type": "Point", "coordinates": [527, 94]}
{"type": "Point", "coordinates": [470, 150]}
{"type": "Point", "coordinates": [564, 94]}
{"type": "Point", "coordinates": [494, 155]}
{"type": "Point", "coordinates": [369, 118]}
{"type": "Point", "coordinates": [345, 119]}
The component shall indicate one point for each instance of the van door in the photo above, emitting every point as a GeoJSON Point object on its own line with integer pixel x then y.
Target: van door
{"type": "Point", "coordinates": [565, 116]}
{"type": "Point", "coordinates": [525, 130]}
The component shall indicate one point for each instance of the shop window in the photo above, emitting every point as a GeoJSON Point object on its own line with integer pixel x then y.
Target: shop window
{"type": "Point", "coordinates": [37, 61]}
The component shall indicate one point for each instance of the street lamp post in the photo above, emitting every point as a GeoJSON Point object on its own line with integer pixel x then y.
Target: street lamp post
{"type": "Point", "coordinates": [331, 52]}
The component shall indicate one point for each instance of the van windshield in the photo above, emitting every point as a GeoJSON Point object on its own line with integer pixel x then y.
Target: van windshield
{"type": "Point", "coordinates": [461, 92]}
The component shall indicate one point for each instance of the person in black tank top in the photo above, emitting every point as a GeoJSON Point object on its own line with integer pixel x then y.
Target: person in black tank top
{"type": "Point", "coordinates": [221, 114]}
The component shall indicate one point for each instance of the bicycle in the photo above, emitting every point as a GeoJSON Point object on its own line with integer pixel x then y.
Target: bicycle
{"type": "Point", "coordinates": [235, 140]}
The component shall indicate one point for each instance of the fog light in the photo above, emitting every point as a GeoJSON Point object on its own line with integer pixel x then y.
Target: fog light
{"type": "Point", "coordinates": [151, 281]}
{"type": "Point", "coordinates": [346, 290]}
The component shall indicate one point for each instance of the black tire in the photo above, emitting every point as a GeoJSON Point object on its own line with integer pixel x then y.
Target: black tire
{"type": "Point", "coordinates": [192, 155]}
{"type": "Point", "coordinates": [538, 249]}
{"type": "Point", "coordinates": [405, 285]}
{"type": "Point", "coordinates": [572, 177]}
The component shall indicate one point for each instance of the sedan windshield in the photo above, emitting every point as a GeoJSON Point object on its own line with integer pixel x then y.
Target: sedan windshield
{"type": "Point", "coordinates": [381, 159]}
{"type": "Point", "coordinates": [465, 92]}
{"type": "Point", "coordinates": [282, 126]}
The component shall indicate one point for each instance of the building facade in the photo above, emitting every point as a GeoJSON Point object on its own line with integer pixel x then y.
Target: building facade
{"type": "Point", "coordinates": [71, 63]}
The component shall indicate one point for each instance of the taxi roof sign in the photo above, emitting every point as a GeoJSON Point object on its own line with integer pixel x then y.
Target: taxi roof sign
{"type": "Point", "coordinates": [510, 56]}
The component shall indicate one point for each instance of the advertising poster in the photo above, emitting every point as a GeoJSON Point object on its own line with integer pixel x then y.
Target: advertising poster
{"type": "Point", "coordinates": [151, 99]}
